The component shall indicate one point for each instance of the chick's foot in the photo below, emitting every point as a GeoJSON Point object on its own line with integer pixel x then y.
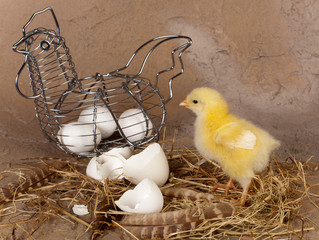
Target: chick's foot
{"type": "Point", "coordinates": [227, 186]}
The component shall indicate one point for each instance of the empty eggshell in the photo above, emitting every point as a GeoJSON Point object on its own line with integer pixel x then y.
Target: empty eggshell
{"type": "Point", "coordinates": [104, 120]}
{"type": "Point", "coordinates": [91, 170]}
{"type": "Point", "coordinates": [135, 125]}
{"type": "Point", "coordinates": [150, 163]}
{"type": "Point", "coordinates": [110, 166]}
{"type": "Point", "coordinates": [78, 137]}
{"type": "Point", "coordinates": [126, 152]}
{"type": "Point", "coordinates": [146, 197]}
{"type": "Point", "coordinates": [106, 166]}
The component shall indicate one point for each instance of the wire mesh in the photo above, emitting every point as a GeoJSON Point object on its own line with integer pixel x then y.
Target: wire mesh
{"type": "Point", "coordinates": [87, 116]}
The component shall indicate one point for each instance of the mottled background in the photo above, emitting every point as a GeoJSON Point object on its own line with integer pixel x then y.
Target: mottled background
{"type": "Point", "coordinates": [262, 55]}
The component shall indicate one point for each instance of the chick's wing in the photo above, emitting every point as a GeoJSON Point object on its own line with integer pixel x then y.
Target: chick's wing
{"type": "Point", "coordinates": [235, 135]}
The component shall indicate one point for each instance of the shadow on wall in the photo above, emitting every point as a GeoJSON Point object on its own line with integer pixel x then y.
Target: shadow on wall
{"type": "Point", "coordinates": [249, 53]}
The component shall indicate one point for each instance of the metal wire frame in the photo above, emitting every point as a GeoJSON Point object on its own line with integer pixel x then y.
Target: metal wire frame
{"type": "Point", "coordinates": [60, 96]}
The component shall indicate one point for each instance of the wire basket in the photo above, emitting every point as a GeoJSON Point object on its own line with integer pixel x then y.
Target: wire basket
{"type": "Point", "coordinates": [88, 116]}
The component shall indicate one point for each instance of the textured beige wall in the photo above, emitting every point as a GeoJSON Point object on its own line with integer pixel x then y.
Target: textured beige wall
{"type": "Point", "coordinates": [262, 55]}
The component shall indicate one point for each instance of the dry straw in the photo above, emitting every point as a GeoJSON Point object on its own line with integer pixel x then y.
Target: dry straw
{"type": "Point", "coordinates": [273, 202]}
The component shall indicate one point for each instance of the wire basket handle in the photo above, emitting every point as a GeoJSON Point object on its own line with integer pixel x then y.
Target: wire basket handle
{"type": "Point", "coordinates": [161, 40]}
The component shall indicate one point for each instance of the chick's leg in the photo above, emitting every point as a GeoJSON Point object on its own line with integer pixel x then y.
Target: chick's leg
{"type": "Point", "coordinates": [227, 187]}
{"type": "Point", "coordinates": [244, 194]}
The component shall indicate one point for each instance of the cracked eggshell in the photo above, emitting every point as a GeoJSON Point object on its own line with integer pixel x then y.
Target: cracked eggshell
{"type": "Point", "coordinates": [78, 137]}
{"type": "Point", "coordinates": [104, 120]}
{"type": "Point", "coordinates": [80, 210]}
{"type": "Point", "coordinates": [110, 166]}
{"type": "Point", "coordinates": [146, 197]}
{"type": "Point", "coordinates": [150, 163]}
{"type": "Point", "coordinates": [135, 124]}
{"type": "Point", "coordinates": [106, 166]}
{"type": "Point", "coordinates": [126, 152]}
{"type": "Point", "coordinates": [91, 170]}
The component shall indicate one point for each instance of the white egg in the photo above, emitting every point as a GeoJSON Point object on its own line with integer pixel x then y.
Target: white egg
{"type": "Point", "coordinates": [78, 137]}
{"type": "Point", "coordinates": [104, 120]}
{"type": "Point", "coordinates": [150, 163]}
{"type": "Point", "coordinates": [146, 197]}
{"type": "Point", "coordinates": [135, 125]}
{"type": "Point", "coordinates": [106, 166]}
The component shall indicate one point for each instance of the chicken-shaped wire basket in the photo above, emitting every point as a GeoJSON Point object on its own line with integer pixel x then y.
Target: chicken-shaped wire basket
{"type": "Point", "coordinates": [88, 116]}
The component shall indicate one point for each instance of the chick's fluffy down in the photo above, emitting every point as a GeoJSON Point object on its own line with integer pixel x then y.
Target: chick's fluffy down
{"type": "Point", "coordinates": [241, 148]}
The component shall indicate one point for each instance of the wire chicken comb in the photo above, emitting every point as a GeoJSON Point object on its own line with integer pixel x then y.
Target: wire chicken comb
{"type": "Point", "coordinates": [73, 111]}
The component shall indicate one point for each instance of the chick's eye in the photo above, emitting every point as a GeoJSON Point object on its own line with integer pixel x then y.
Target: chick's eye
{"type": "Point", "coordinates": [195, 101]}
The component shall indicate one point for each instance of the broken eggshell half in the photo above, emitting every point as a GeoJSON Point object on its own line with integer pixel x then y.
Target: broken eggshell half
{"type": "Point", "coordinates": [126, 152]}
{"type": "Point", "coordinates": [146, 197]}
{"type": "Point", "coordinates": [150, 163]}
{"type": "Point", "coordinates": [106, 166]}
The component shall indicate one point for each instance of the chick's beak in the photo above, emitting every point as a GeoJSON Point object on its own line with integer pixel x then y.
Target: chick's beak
{"type": "Point", "coordinates": [184, 103]}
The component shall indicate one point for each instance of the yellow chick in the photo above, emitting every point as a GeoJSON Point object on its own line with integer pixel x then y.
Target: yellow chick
{"type": "Point", "coordinates": [240, 148]}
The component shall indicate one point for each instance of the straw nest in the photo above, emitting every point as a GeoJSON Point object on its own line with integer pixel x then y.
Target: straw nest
{"type": "Point", "coordinates": [273, 202]}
